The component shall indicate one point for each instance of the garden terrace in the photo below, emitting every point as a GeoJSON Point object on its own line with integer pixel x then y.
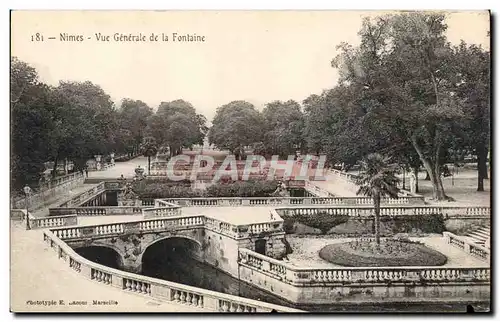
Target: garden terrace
{"type": "Point", "coordinates": [364, 284]}
{"type": "Point", "coordinates": [305, 275]}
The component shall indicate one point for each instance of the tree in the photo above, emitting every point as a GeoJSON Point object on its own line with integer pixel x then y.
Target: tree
{"type": "Point", "coordinates": [32, 124]}
{"type": "Point", "coordinates": [86, 122]}
{"type": "Point", "coordinates": [377, 179]}
{"type": "Point", "coordinates": [335, 118]}
{"type": "Point", "coordinates": [235, 126]}
{"type": "Point", "coordinates": [177, 125]}
{"type": "Point", "coordinates": [403, 65]}
{"type": "Point", "coordinates": [283, 122]}
{"type": "Point", "coordinates": [149, 148]}
{"type": "Point", "coordinates": [472, 84]}
{"type": "Point", "coordinates": [133, 116]}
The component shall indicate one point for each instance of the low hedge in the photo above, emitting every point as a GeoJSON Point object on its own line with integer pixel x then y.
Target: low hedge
{"type": "Point", "coordinates": [429, 223]}
{"type": "Point", "coordinates": [157, 188]}
{"type": "Point", "coordinates": [242, 189]}
{"type": "Point", "coordinates": [321, 221]}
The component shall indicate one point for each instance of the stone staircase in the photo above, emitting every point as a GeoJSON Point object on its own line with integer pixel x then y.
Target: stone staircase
{"type": "Point", "coordinates": [480, 235]}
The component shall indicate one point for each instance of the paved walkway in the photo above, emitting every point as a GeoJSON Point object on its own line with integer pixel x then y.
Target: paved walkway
{"type": "Point", "coordinates": [126, 168]}
{"type": "Point", "coordinates": [37, 275]}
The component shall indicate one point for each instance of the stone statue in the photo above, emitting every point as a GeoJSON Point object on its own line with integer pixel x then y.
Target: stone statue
{"type": "Point", "coordinates": [128, 197]}
{"type": "Point", "coordinates": [280, 191]}
{"type": "Point", "coordinates": [128, 193]}
{"type": "Point", "coordinates": [413, 183]}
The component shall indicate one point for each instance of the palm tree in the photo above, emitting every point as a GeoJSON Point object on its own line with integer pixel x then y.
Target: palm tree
{"type": "Point", "coordinates": [149, 148]}
{"type": "Point", "coordinates": [377, 179]}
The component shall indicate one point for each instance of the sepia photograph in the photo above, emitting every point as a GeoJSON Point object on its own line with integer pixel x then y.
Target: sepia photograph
{"type": "Point", "coordinates": [250, 161]}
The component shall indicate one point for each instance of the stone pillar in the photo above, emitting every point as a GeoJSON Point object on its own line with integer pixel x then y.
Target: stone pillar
{"type": "Point", "coordinates": [131, 265]}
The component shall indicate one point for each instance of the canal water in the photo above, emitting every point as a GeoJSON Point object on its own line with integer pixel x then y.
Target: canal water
{"type": "Point", "coordinates": [184, 270]}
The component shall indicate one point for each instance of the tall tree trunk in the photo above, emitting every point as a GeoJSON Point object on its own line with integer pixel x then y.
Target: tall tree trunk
{"type": "Point", "coordinates": [415, 171]}
{"type": "Point", "coordinates": [482, 168]}
{"type": "Point", "coordinates": [404, 178]}
{"type": "Point", "coordinates": [427, 176]}
{"type": "Point", "coordinates": [376, 204]}
{"type": "Point", "coordinates": [149, 165]}
{"type": "Point", "coordinates": [54, 169]}
{"type": "Point", "coordinates": [433, 172]}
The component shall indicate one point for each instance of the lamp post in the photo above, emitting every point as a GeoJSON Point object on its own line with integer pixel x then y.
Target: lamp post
{"type": "Point", "coordinates": [27, 191]}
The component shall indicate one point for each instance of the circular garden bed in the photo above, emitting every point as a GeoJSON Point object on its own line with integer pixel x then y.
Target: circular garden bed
{"type": "Point", "coordinates": [359, 253]}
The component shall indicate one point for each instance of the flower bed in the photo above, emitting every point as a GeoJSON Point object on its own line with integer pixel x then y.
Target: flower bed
{"type": "Point", "coordinates": [365, 252]}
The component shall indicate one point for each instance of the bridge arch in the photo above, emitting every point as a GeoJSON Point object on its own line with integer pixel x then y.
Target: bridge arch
{"type": "Point", "coordinates": [161, 239]}
{"type": "Point", "coordinates": [163, 250]}
{"type": "Point", "coordinates": [104, 254]}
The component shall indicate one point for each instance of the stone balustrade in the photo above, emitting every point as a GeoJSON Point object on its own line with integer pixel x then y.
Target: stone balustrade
{"type": "Point", "coordinates": [468, 246]}
{"type": "Point", "coordinates": [309, 276]}
{"type": "Point", "coordinates": [137, 226]}
{"type": "Point", "coordinates": [224, 228]}
{"type": "Point", "coordinates": [47, 222]}
{"type": "Point", "coordinates": [342, 174]}
{"type": "Point", "coordinates": [317, 191]}
{"type": "Point", "coordinates": [405, 210]}
{"type": "Point", "coordinates": [56, 221]}
{"type": "Point", "coordinates": [49, 191]}
{"type": "Point", "coordinates": [167, 210]}
{"type": "Point", "coordinates": [97, 211]}
{"type": "Point", "coordinates": [148, 202]}
{"type": "Point", "coordinates": [84, 196]}
{"type": "Point", "coordinates": [61, 180]}
{"type": "Point", "coordinates": [155, 288]}
{"type": "Point", "coordinates": [166, 222]}
{"type": "Point", "coordinates": [284, 201]}
{"type": "Point", "coordinates": [17, 214]}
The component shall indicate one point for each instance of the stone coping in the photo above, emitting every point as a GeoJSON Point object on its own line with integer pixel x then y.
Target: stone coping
{"type": "Point", "coordinates": [157, 288]}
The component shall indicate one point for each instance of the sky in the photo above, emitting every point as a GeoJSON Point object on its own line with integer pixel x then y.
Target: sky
{"type": "Point", "coordinates": [256, 56]}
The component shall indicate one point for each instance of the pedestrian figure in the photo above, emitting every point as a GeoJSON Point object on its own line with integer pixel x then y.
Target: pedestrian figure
{"type": "Point", "coordinates": [87, 172]}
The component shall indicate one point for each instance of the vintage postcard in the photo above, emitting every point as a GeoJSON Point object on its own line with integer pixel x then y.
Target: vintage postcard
{"type": "Point", "coordinates": [250, 161]}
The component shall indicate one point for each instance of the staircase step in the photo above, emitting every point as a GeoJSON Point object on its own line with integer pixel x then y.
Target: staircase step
{"type": "Point", "coordinates": [483, 231]}
{"type": "Point", "coordinates": [476, 241]}
{"type": "Point", "coordinates": [477, 238]}
{"type": "Point", "coordinates": [479, 234]}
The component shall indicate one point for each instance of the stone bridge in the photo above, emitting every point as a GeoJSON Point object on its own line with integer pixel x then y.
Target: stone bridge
{"type": "Point", "coordinates": [203, 238]}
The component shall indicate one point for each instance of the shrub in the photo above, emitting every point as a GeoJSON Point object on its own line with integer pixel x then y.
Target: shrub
{"type": "Point", "coordinates": [322, 221]}
{"type": "Point", "coordinates": [432, 223]}
{"type": "Point", "coordinates": [242, 189]}
{"type": "Point", "coordinates": [151, 190]}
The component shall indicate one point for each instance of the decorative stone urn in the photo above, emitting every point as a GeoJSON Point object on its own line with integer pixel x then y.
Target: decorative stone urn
{"type": "Point", "coordinates": [139, 173]}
